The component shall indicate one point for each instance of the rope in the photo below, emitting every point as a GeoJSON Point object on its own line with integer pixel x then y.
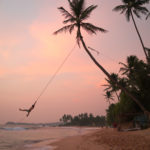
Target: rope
{"type": "Point", "coordinates": [52, 78]}
{"type": "Point", "coordinates": [55, 73]}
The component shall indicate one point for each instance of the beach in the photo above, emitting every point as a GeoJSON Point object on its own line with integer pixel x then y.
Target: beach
{"type": "Point", "coordinates": [26, 137]}
{"type": "Point", "coordinates": [72, 138]}
{"type": "Point", "coordinates": [107, 139]}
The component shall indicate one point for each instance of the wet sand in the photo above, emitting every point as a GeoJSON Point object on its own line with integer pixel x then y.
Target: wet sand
{"type": "Point", "coordinates": [107, 139]}
{"type": "Point", "coordinates": [34, 137]}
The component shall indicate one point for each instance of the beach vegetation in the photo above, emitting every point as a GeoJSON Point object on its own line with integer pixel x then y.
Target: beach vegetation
{"type": "Point", "coordinates": [76, 17]}
{"type": "Point", "coordinates": [83, 119]}
{"type": "Point", "coordinates": [135, 75]}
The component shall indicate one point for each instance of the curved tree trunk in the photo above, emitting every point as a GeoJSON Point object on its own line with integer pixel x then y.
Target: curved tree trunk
{"type": "Point", "coordinates": [109, 77]}
{"type": "Point", "coordinates": [139, 37]}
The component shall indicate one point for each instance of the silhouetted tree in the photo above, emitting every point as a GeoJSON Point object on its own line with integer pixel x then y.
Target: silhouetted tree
{"type": "Point", "coordinates": [76, 17]}
{"type": "Point", "coordinates": [135, 77]}
{"type": "Point", "coordinates": [130, 7]}
{"type": "Point", "coordinates": [112, 88]}
{"type": "Point", "coordinates": [85, 119]}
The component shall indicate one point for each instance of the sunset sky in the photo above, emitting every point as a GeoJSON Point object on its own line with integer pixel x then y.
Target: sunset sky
{"type": "Point", "coordinates": [30, 54]}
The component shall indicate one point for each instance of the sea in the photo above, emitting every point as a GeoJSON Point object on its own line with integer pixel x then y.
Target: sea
{"type": "Point", "coordinates": [35, 138]}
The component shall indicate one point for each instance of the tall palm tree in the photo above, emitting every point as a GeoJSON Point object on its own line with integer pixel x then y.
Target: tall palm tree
{"type": "Point", "coordinates": [130, 7]}
{"type": "Point", "coordinates": [76, 18]}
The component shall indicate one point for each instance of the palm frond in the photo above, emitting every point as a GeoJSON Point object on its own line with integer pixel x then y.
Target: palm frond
{"type": "Point", "coordinates": [81, 4]}
{"type": "Point", "coordinates": [86, 13]}
{"type": "Point", "coordinates": [124, 69]}
{"type": "Point", "coordinates": [142, 10]}
{"type": "Point", "coordinates": [92, 28]}
{"type": "Point", "coordinates": [65, 13]}
{"type": "Point", "coordinates": [65, 29]}
{"type": "Point", "coordinates": [71, 28]}
{"type": "Point", "coordinates": [132, 5]}
{"type": "Point", "coordinates": [78, 37]}
{"type": "Point", "coordinates": [72, 20]}
{"type": "Point", "coordinates": [70, 5]}
{"type": "Point", "coordinates": [88, 29]}
{"type": "Point", "coordinates": [142, 2]}
{"type": "Point", "coordinates": [148, 16]}
{"type": "Point", "coordinates": [136, 13]}
{"type": "Point", "coordinates": [123, 64]}
{"type": "Point", "coordinates": [76, 7]}
{"type": "Point", "coordinates": [128, 14]}
{"type": "Point", "coordinates": [109, 95]}
{"type": "Point", "coordinates": [121, 8]}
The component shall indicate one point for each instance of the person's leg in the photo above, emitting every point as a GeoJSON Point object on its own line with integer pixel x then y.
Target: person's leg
{"type": "Point", "coordinates": [23, 109]}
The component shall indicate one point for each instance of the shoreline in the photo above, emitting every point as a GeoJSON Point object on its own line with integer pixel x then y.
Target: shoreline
{"type": "Point", "coordinates": [47, 144]}
{"type": "Point", "coordinates": [106, 139]}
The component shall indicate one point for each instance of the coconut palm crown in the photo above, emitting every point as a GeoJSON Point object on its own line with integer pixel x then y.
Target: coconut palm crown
{"type": "Point", "coordinates": [130, 7]}
{"type": "Point", "coordinates": [76, 17]}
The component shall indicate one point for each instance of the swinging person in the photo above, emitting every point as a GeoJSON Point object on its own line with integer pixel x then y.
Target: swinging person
{"type": "Point", "coordinates": [28, 110]}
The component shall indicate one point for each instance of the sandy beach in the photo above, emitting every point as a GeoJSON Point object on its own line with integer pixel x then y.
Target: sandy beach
{"type": "Point", "coordinates": [107, 139]}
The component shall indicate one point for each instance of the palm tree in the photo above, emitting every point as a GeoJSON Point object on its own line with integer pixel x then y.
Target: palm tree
{"type": "Point", "coordinates": [137, 74]}
{"type": "Point", "coordinates": [128, 68]}
{"type": "Point", "coordinates": [110, 87]}
{"type": "Point", "coordinates": [108, 95]}
{"type": "Point", "coordinates": [76, 18]}
{"type": "Point", "coordinates": [130, 7]}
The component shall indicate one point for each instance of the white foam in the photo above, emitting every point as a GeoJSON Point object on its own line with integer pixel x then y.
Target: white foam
{"type": "Point", "coordinates": [14, 128]}
{"type": "Point", "coordinates": [45, 148]}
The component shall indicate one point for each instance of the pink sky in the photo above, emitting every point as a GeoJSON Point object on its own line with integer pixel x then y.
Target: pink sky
{"type": "Point", "coordinates": [30, 54]}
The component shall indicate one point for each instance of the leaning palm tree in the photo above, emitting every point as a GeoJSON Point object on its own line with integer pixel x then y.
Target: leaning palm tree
{"type": "Point", "coordinates": [130, 7]}
{"type": "Point", "coordinates": [76, 18]}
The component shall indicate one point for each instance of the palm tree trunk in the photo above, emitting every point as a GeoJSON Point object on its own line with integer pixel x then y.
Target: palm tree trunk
{"type": "Point", "coordinates": [109, 77]}
{"type": "Point", "coordinates": [139, 36]}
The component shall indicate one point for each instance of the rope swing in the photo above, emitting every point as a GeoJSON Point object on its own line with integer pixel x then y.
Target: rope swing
{"type": "Point", "coordinates": [52, 78]}
{"type": "Point", "coordinates": [48, 83]}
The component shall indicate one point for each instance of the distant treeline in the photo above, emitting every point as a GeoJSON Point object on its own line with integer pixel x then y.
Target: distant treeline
{"type": "Point", "coordinates": [83, 119]}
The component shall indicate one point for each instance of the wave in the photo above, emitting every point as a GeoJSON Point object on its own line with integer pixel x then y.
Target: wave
{"type": "Point", "coordinates": [41, 148]}
{"type": "Point", "coordinates": [13, 128]}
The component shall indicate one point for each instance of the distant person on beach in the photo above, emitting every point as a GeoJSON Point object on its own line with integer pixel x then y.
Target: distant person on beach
{"type": "Point", "coordinates": [114, 125]}
{"type": "Point", "coordinates": [28, 110]}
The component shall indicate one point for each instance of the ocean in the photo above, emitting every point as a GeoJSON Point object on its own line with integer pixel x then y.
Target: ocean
{"type": "Point", "coordinates": [35, 138]}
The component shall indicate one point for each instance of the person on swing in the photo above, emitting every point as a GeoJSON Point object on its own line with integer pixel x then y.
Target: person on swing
{"type": "Point", "coordinates": [28, 110]}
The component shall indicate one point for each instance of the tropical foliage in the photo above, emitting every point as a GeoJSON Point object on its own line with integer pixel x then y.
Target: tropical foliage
{"type": "Point", "coordinates": [130, 7]}
{"type": "Point", "coordinates": [132, 86]}
{"type": "Point", "coordinates": [136, 76]}
{"type": "Point", "coordinates": [76, 16]}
